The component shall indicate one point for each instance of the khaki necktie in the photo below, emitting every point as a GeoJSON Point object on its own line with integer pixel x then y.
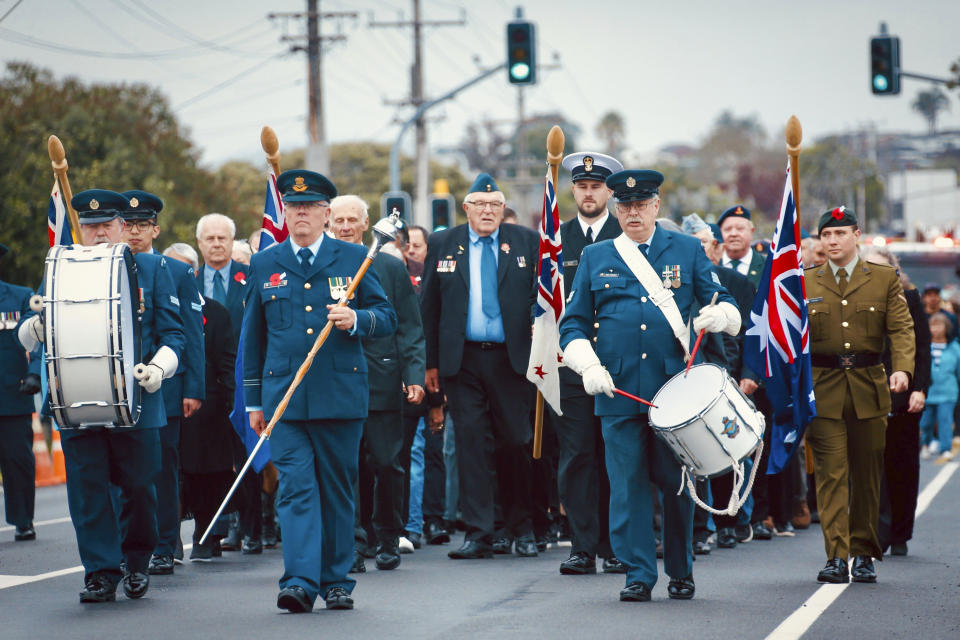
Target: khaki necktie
{"type": "Point", "coordinates": [842, 279]}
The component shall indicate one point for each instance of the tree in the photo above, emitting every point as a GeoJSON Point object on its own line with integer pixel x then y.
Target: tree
{"type": "Point", "coordinates": [612, 130]}
{"type": "Point", "coordinates": [929, 104]}
{"type": "Point", "coordinates": [832, 175]}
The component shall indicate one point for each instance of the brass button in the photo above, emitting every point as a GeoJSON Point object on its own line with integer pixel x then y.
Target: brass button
{"type": "Point", "coordinates": [844, 324]}
{"type": "Point", "coordinates": [843, 302]}
{"type": "Point", "coordinates": [594, 338]}
{"type": "Point", "coordinates": [812, 311]}
{"type": "Point", "coordinates": [643, 298]}
{"type": "Point", "coordinates": [846, 345]}
{"type": "Point", "coordinates": [872, 309]}
{"type": "Point", "coordinates": [308, 308]}
{"type": "Point", "coordinates": [270, 372]}
{"type": "Point", "coordinates": [273, 297]}
{"type": "Point", "coordinates": [643, 356]}
{"type": "Point", "coordinates": [606, 286]}
{"type": "Point", "coordinates": [310, 331]}
{"type": "Point", "coordinates": [643, 327]}
{"type": "Point", "coordinates": [306, 285]}
{"type": "Point", "coordinates": [596, 325]}
{"type": "Point", "coordinates": [354, 368]}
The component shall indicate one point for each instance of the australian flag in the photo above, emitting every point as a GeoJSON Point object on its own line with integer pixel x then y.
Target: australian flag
{"type": "Point", "coordinates": [58, 225]}
{"type": "Point", "coordinates": [778, 337]}
{"type": "Point", "coordinates": [274, 222]}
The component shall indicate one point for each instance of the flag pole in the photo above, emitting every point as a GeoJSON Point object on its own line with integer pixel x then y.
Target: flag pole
{"type": "Point", "coordinates": [271, 147]}
{"type": "Point", "coordinates": [58, 158]}
{"type": "Point", "coordinates": [555, 142]}
{"type": "Point", "coordinates": [794, 134]}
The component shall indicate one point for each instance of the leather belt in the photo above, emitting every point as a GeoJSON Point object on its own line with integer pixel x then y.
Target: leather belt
{"type": "Point", "coordinates": [486, 346]}
{"type": "Point", "coordinates": [846, 360]}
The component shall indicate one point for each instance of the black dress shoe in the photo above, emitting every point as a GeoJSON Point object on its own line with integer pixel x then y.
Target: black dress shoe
{"type": "Point", "coordinates": [701, 547]}
{"type": "Point", "coordinates": [898, 549]}
{"type": "Point", "coordinates": [526, 547]}
{"type": "Point", "coordinates": [635, 592]}
{"type": "Point", "coordinates": [578, 564]}
{"type": "Point", "coordinates": [727, 538]}
{"type": "Point", "coordinates": [761, 531]}
{"type": "Point", "coordinates": [835, 572]}
{"type": "Point", "coordinates": [160, 565]}
{"type": "Point", "coordinates": [25, 533]}
{"type": "Point", "coordinates": [294, 599]}
{"type": "Point", "coordinates": [232, 540]}
{"type": "Point", "coordinates": [359, 566]}
{"type": "Point", "coordinates": [612, 565]}
{"type": "Point", "coordinates": [98, 588]}
{"type": "Point", "coordinates": [863, 570]}
{"type": "Point", "coordinates": [435, 534]}
{"type": "Point", "coordinates": [681, 588]}
{"type": "Point", "coordinates": [542, 543]}
{"type": "Point", "coordinates": [502, 546]}
{"type": "Point", "coordinates": [201, 552]}
{"type": "Point", "coordinates": [471, 550]}
{"type": "Point", "coordinates": [135, 584]}
{"type": "Point", "coordinates": [251, 546]}
{"type": "Point", "coordinates": [388, 556]}
{"type": "Point", "coordinates": [338, 598]}
{"type": "Point", "coordinates": [744, 533]}
{"type": "Point", "coordinates": [415, 539]}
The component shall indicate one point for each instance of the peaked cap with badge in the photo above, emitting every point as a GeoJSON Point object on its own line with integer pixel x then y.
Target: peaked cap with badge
{"type": "Point", "coordinates": [98, 205]}
{"type": "Point", "coordinates": [300, 185]}
{"type": "Point", "coordinates": [839, 217]}
{"type": "Point", "coordinates": [587, 165]}
{"type": "Point", "coordinates": [483, 184]}
{"type": "Point", "coordinates": [736, 211]}
{"type": "Point", "coordinates": [143, 205]}
{"type": "Point", "coordinates": [633, 185]}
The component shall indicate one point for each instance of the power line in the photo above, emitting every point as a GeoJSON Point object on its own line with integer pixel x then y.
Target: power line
{"type": "Point", "coordinates": [10, 10]}
{"type": "Point", "coordinates": [227, 82]}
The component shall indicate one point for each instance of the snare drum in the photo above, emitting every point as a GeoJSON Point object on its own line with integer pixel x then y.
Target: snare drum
{"type": "Point", "coordinates": [92, 335]}
{"type": "Point", "coordinates": [706, 420]}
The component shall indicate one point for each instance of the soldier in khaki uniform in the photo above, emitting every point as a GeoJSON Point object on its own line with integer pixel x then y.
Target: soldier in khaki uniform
{"type": "Point", "coordinates": [854, 308]}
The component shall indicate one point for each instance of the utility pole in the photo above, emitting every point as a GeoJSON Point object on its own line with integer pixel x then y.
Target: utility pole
{"type": "Point", "coordinates": [416, 99]}
{"type": "Point", "coordinates": [318, 154]}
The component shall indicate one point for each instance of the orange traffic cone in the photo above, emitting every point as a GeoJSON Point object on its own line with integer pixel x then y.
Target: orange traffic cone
{"type": "Point", "coordinates": [44, 476]}
{"type": "Point", "coordinates": [59, 464]}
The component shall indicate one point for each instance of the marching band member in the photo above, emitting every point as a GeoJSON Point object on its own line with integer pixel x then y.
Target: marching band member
{"type": "Point", "coordinates": [632, 297]}
{"type": "Point", "coordinates": [127, 457]}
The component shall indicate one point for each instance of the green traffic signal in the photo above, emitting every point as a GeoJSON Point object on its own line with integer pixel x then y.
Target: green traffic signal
{"type": "Point", "coordinates": [519, 72]}
{"type": "Point", "coordinates": [880, 83]}
{"type": "Point", "coordinates": [521, 52]}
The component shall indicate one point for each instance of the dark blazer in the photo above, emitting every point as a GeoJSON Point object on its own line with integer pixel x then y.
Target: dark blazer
{"type": "Point", "coordinates": [236, 294]}
{"type": "Point", "coordinates": [398, 359]}
{"type": "Point", "coordinates": [921, 368]}
{"type": "Point", "coordinates": [573, 240]}
{"type": "Point", "coordinates": [445, 295]}
{"type": "Point", "coordinates": [744, 292]}
{"type": "Point", "coordinates": [15, 303]}
{"type": "Point", "coordinates": [188, 382]}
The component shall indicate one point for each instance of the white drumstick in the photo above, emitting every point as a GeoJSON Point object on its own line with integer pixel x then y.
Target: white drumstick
{"type": "Point", "coordinates": [140, 371]}
{"type": "Point", "coordinates": [36, 303]}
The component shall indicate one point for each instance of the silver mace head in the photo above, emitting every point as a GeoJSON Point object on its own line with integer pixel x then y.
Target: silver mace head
{"type": "Point", "coordinates": [385, 231]}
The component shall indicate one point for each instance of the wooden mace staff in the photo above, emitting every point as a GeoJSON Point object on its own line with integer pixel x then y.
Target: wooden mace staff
{"type": "Point", "coordinates": [271, 147]}
{"type": "Point", "coordinates": [555, 143]}
{"type": "Point", "coordinates": [794, 134]}
{"type": "Point", "coordinates": [383, 232]}
{"type": "Point", "coordinates": [58, 158]}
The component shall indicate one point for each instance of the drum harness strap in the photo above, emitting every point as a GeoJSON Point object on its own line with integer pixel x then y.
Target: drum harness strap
{"type": "Point", "coordinates": [736, 501]}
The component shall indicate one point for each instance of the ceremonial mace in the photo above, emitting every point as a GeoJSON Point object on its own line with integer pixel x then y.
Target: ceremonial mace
{"type": "Point", "coordinates": [384, 231]}
{"type": "Point", "coordinates": [555, 142]}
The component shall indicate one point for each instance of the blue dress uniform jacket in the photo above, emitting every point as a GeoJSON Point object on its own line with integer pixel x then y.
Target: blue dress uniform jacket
{"type": "Point", "coordinates": [608, 306]}
{"type": "Point", "coordinates": [14, 305]}
{"type": "Point", "coordinates": [286, 310]}
{"type": "Point", "coordinates": [189, 380]}
{"type": "Point", "coordinates": [236, 294]}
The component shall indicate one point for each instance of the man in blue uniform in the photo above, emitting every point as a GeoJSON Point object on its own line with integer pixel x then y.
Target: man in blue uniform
{"type": "Point", "coordinates": [18, 382]}
{"type": "Point", "coordinates": [184, 392]}
{"type": "Point", "coordinates": [294, 288]}
{"type": "Point", "coordinates": [638, 325]}
{"type": "Point", "coordinates": [125, 455]}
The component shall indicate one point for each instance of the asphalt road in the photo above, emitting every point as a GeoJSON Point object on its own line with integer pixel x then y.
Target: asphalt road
{"type": "Point", "coordinates": [743, 593]}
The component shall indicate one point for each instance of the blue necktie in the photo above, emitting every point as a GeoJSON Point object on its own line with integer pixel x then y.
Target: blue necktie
{"type": "Point", "coordinates": [305, 256]}
{"type": "Point", "coordinates": [488, 278]}
{"type": "Point", "coordinates": [643, 249]}
{"type": "Point", "coordinates": [219, 293]}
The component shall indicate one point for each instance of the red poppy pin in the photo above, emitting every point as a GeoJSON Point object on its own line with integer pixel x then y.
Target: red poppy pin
{"type": "Point", "coordinates": [240, 277]}
{"type": "Point", "coordinates": [838, 213]}
{"type": "Point", "coordinates": [275, 279]}
{"type": "Point", "coordinates": [505, 247]}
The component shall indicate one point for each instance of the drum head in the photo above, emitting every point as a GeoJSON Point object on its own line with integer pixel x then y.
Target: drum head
{"type": "Point", "coordinates": [683, 398]}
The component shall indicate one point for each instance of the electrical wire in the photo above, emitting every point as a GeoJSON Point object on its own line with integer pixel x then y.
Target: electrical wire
{"type": "Point", "coordinates": [10, 10]}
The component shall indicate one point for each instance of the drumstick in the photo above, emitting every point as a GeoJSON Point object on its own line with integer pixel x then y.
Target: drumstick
{"type": "Point", "coordinates": [635, 398]}
{"type": "Point", "coordinates": [696, 345]}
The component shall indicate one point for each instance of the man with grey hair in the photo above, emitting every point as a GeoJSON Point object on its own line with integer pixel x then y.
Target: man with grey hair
{"type": "Point", "coordinates": [396, 371]}
{"type": "Point", "coordinates": [184, 252]}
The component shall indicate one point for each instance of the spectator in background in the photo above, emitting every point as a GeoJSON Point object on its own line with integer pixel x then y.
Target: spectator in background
{"type": "Point", "coordinates": [254, 240]}
{"type": "Point", "coordinates": [812, 252]}
{"type": "Point", "coordinates": [510, 216]}
{"type": "Point", "coordinates": [944, 388]}
{"type": "Point", "coordinates": [417, 238]}
{"type": "Point", "coordinates": [242, 252]}
{"type": "Point", "coordinates": [933, 303]}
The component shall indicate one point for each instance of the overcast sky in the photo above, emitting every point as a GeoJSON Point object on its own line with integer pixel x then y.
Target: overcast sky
{"type": "Point", "coordinates": [668, 67]}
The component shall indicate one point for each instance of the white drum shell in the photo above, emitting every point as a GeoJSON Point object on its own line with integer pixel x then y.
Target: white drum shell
{"type": "Point", "coordinates": [709, 424]}
{"type": "Point", "coordinates": [92, 336]}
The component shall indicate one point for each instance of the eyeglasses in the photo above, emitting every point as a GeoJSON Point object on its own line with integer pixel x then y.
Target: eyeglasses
{"type": "Point", "coordinates": [142, 225]}
{"type": "Point", "coordinates": [486, 205]}
{"type": "Point", "coordinates": [635, 207]}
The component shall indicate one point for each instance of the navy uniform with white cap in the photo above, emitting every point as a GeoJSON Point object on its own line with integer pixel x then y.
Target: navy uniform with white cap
{"type": "Point", "coordinates": [616, 333]}
{"type": "Point", "coordinates": [583, 484]}
{"type": "Point", "coordinates": [128, 457]}
{"type": "Point", "coordinates": [316, 445]}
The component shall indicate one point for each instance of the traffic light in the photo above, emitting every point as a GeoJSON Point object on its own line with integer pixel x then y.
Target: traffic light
{"type": "Point", "coordinates": [521, 52]}
{"type": "Point", "coordinates": [885, 65]}
{"type": "Point", "coordinates": [441, 210]}
{"type": "Point", "coordinates": [399, 200]}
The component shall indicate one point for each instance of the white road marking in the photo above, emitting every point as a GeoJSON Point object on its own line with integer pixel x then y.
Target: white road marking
{"type": "Point", "coordinates": [803, 618]}
{"type": "Point", "coordinates": [39, 524]}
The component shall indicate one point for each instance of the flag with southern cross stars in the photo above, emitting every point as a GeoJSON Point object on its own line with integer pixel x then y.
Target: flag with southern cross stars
{"type": "Point", "coordinates": [545, 354]}
{"type": "Point", "coordinates": [777, 344]}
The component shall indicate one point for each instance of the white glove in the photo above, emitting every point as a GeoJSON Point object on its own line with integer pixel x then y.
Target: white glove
{"type": "Point", "coordinates": [721, 317]}
{"type": "Point", "coordinates": [580, 357]}
{"type": "Point", "coordinates": [163, 365]}
{"type": "Point", "coordinates": [150, 377]}
{"type": "Point", "coordinates": [31, 332]}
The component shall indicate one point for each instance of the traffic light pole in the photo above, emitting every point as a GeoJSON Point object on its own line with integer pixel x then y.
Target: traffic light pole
{"type": "Point", "coordinates": [395, 149]}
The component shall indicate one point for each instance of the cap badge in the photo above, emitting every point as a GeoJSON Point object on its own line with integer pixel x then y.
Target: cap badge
{"type": "Point", "coordinates": [738, 211]}
{"type": "Point", "coordinates": [298, 185]}
{"type": "Point", "coordinates": [587, 164]}
{"type": "Point", "coordinates": [94, 204]}
{"type": "Point", "coordinates": [134, 202]}
{"type": "Point", "coordinates": [631, 182]}
{"type": "Point", "coordinates": [489, 187]}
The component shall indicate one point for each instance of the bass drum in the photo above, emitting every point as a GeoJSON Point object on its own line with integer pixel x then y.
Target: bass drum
{"type": "Point", "coordinates": [92, 333]}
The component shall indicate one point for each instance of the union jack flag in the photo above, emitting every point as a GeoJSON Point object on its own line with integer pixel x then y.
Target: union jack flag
{"type": "Point", "coordinates": [274, 222]}
{"type": "Point", "coordinates": [777, 343]}
{"type": "Point", "coordinates": [545, 354]}
{"type": "Point", "coordinates": [58, 225]}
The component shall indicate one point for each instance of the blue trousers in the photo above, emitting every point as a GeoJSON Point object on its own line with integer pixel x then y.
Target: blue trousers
{"type": "Point", "coordinates": [317, 462]}
{"type": "Point", "coordinates": [129, 459]}
{"type": "Point", "coordinates": [636, 456]}
{"type": "Point", "coordinates": [415, 512]}
{"type": "Point", "coordinates": [452, 484]}
{"type": "Point", "coordinates": [167, 483]}
{"type": "Point", "coordinates": [936, 423]}
{"type": "Point", "coordinates": [17, 468]}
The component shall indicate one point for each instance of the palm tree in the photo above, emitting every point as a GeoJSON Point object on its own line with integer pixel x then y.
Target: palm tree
{"type": "Point", "coordinates": [612, 129]}
{"type": "Point", "coordinates": [929, 104]}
